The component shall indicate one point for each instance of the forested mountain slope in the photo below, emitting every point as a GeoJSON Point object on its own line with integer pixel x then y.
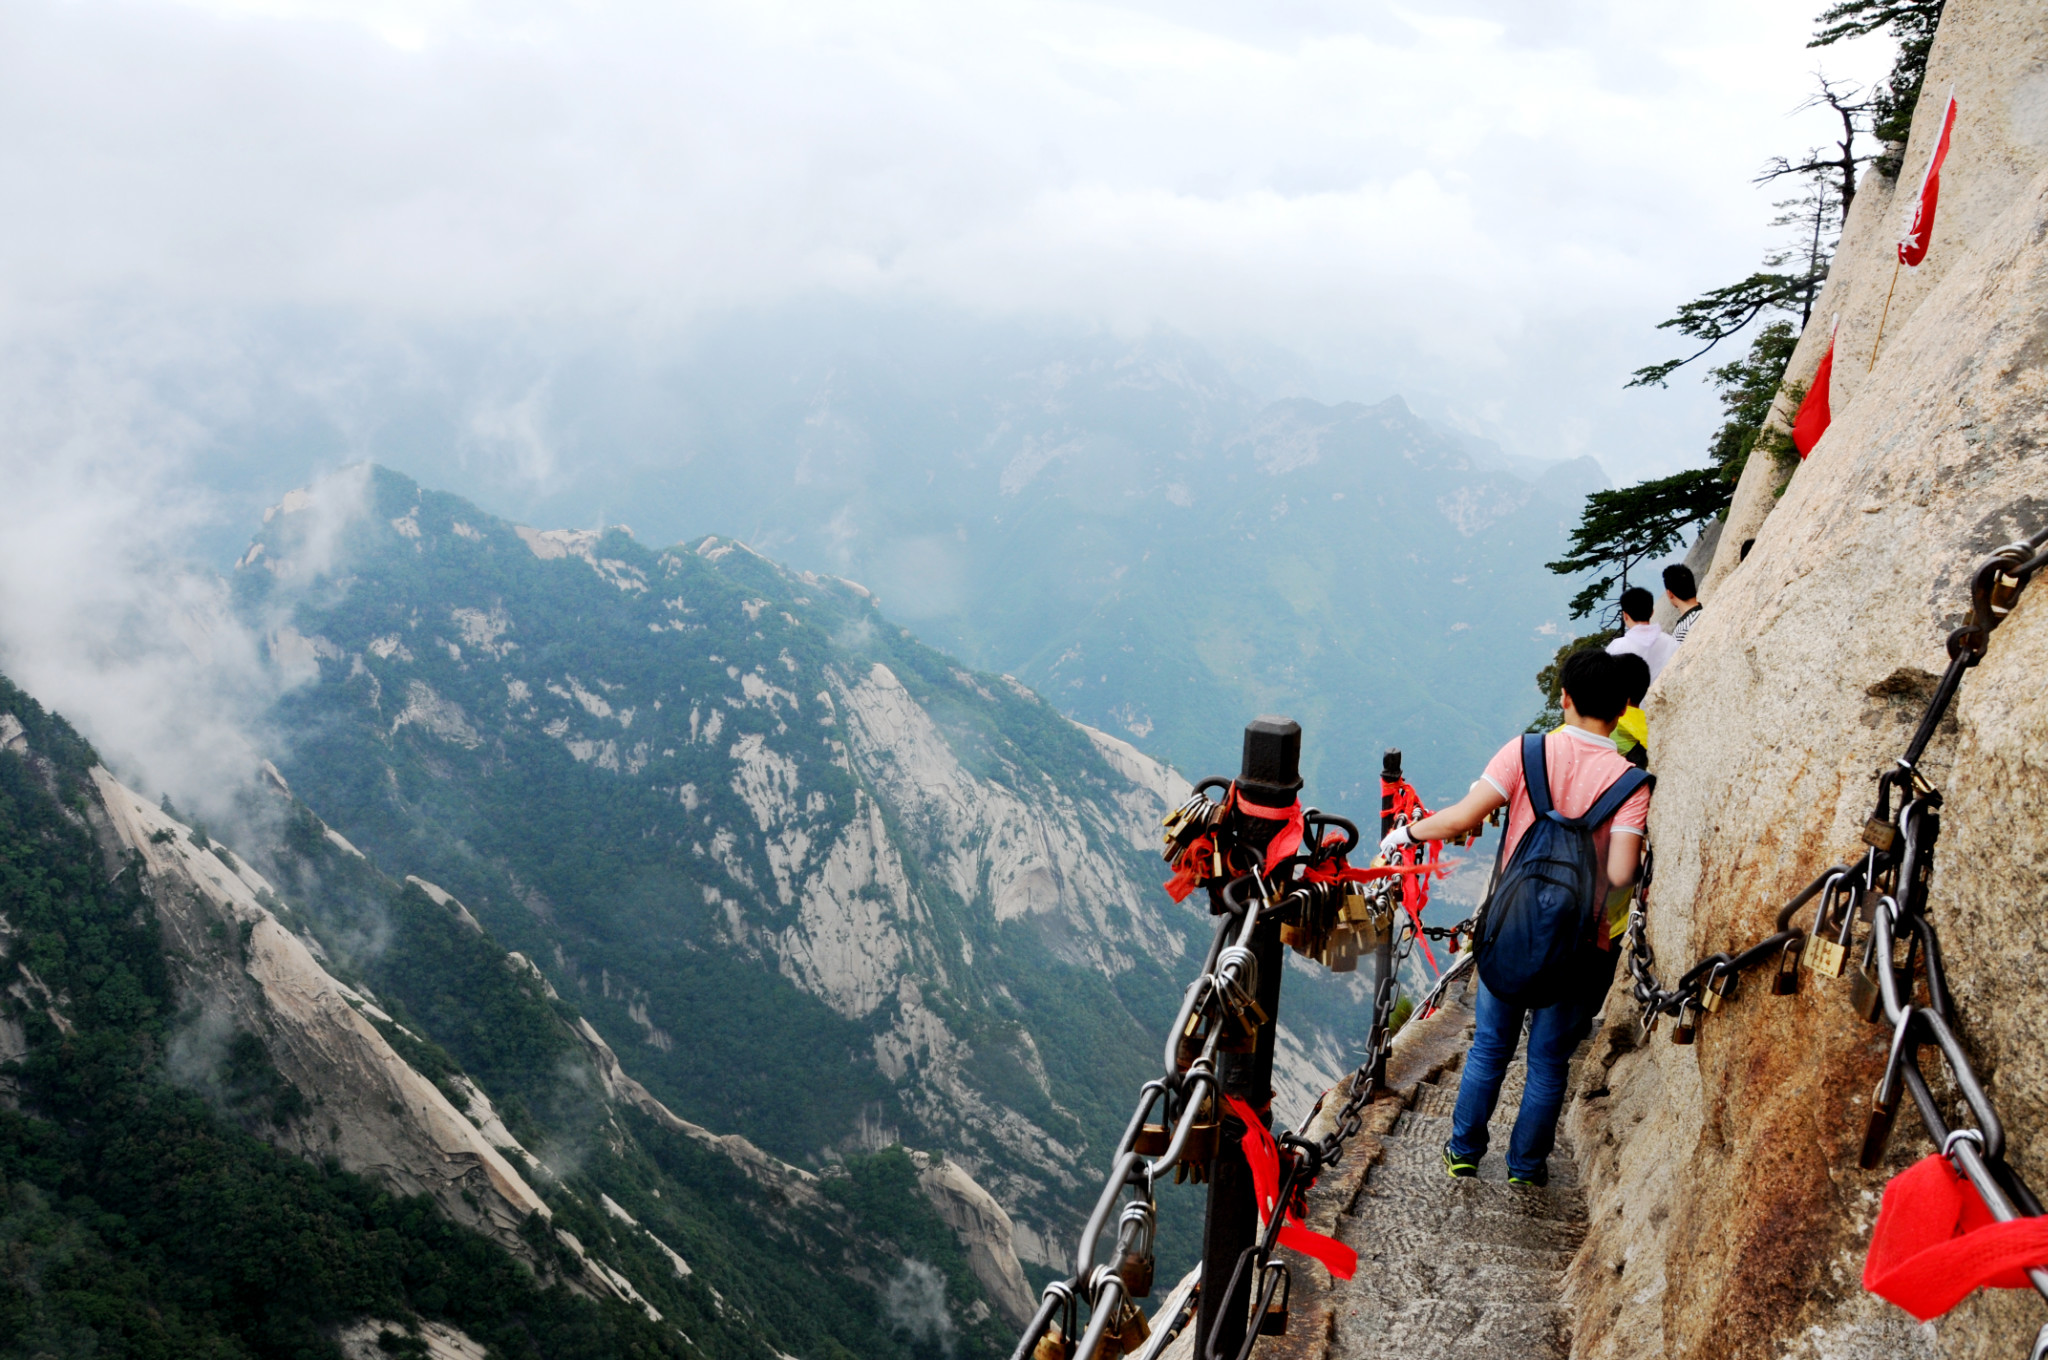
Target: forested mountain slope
{"type": "Point", "coordinates": [829, 889]}
{"type": "Point", "coordinates": [179, 1022]}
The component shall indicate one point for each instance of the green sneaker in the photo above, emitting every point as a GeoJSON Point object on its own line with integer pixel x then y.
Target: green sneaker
{"type": "Point", "coordinates": [1533, 1182]}
{"type": "Point", "coordinates": [1458, 1168]}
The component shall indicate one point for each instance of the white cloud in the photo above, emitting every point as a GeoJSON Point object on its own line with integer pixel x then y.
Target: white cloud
{"type": "Point", "coordinates": [1423, 194]}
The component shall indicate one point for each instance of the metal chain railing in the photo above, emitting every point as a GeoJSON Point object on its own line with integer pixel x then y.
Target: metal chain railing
{"type": "Point", "coordinates": [1219, 1006]}
{"type": "Point", "coordinates": [1885, 888]}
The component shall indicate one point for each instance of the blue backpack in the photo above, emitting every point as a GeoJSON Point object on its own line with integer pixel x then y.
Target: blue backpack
{"type": "Point", "coordinates": [1548, 905]}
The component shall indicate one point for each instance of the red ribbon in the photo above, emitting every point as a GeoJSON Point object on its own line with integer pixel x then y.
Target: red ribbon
{"type": "Point", "coordinates": [1262, 1155]}
{"type": "Point", "coordinates": [1286, 840]}
{"type": "Point", "coordinates": [1935, 1242]}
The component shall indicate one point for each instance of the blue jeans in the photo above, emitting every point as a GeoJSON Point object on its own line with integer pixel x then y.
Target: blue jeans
{"type": "Point", "coordinates": [1554, 1033]}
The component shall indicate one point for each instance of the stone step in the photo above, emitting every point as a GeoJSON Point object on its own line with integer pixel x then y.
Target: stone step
{"type": "Point", "coordinates": [1432, 1098]}
{"type": "Point", "coordinates": [1554, 1217]}
{"type": "Point", "coordinates": [1438, 1329]}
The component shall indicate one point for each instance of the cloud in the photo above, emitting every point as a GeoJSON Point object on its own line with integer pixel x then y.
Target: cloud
{"type": "Point", "coordinates": [103, 615]}
{"type": "Point", "coordinates": [1483, 207]}
{"type": "Point", "coordinates": [915, 1303]}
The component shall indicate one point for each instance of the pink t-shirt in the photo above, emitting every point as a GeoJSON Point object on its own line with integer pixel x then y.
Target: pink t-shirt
{"type": "Point", "coordinates": [1581, 766]}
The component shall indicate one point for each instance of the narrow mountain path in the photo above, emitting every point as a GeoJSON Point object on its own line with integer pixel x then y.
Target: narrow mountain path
{"type": "Point", "coordinates": [1466, 1268]}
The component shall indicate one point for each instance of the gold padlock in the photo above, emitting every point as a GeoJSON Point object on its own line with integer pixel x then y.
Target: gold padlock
{"type": "Point", "coordinates": [1826, 957]}
{"type": "Point", "coordinates": [1052, 1346]}
{"type": "Point", "coordinates": [1128, 1332]}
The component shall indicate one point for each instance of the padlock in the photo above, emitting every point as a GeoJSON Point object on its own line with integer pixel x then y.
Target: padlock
{"type": "Point", "coordinates": [1866, 995]}
{"type": "Point", "coordinates": [1786, 983]}
{"type": "Point", "coordinates": [1053, 1345]}
{"type": "Point", "coordinates": [1825, 957]}
{"type": "Point", "coordinates": [1880, 834]}
{"type": "Point", "coordinates": [1685, 1024]}
{"type": "Point", "coordinates": [1135, 1270]}
{"type": "Point", "coordinates": [1720, 988]}
{"type": "Point", "coordinates": [1128, 1332]}
{"type": "Point", "coordinates": [1152, 1139]}
{"type": "Point", "coordinates": [1200, 1148]}
{"type": "Point", "coordinates": [1884, 1102]}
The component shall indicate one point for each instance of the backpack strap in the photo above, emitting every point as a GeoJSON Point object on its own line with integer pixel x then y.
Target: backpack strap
{"type": "Point", "coordinates": [1536, 776]}
{"type": "Point", "coordinates": [1619, 792]}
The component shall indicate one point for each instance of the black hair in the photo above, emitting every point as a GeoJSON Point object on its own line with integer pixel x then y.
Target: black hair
{"type": "Point", "coordinates": [1678, 579]}
{"type": "Point", "coordinates": [1635, 676]}
{"type": "Point", "coordinates": [1595, 683]}
{"type": "Point", "coordinates": [1637, 604]}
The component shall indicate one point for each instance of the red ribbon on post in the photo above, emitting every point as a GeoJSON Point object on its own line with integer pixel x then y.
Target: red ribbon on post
{"type": "Point", "coordinates": [1262, 1155]}
{"type": "Point", "coordinates": [1935, 1242]}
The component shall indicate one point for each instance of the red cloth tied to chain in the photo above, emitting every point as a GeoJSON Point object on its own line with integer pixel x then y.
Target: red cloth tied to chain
{"type": "Point", "coordinates": [1286, 840]}
{"type": "Point", "coordinates": [1262, 1155]}
{"type": "Point", "coordinates": [1935, 1242]}
{"type": "Point", "coordinates": [1196, 862]}
{"type": "Point", "coordinates": [1397, 798]}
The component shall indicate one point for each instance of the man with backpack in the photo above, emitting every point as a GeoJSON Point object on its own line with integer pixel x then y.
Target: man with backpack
{"type": "Point", "coordinates": [1577, 812]}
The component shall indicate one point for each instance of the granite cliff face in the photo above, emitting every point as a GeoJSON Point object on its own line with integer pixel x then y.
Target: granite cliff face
{"type": "Point", "coordinates": [1728, 1214]}
{"type": "Point", "coordinates": [762, 837]}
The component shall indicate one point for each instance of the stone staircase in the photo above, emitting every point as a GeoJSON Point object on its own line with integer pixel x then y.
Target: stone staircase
{"type": "Point", "coordinates": [1447, 1269]}
{"type": "Point", "coordinates": [1455, 1268]}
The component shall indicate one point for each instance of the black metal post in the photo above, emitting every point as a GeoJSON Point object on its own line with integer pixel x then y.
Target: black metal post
{"type": "Point", "coordinates": [1271, 777]}
{"type": "Point", "coordinates": [1233, 1221]}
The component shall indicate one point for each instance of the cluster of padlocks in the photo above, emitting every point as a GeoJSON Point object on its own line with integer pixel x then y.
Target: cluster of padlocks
{"type": "Point", "coordinates": [1338, 922]}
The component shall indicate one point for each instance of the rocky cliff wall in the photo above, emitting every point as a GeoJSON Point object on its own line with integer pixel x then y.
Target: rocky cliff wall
{"type": "Point", "coordinates": [1729, 1217]}
{"type": "Point", "coordinates": [1994, 55]}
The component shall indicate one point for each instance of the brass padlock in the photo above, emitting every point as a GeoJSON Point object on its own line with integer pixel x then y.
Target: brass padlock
{"type": "Point", "coordinates": [1128, 1332]}
{"type": "Point", "coordinates": [1826, 957]}
{"type": "Point", "coordinates": [1685, 1024]}
{"type": "Point", "coordinates": [1880, 834]}
{"type": "Point", "coordinates": [1152, 1139]}
{"type": "Point", "coordinates": [1786, 983]}
{"type": "Point", "coordinates": [1720, 988]}
{"type": "Point", "coordinates": [1866, 995]}
{"type": "Point", "coordinates": [1200, 1148]}
{"type": "Point", "coordinates": [1053, 1346]}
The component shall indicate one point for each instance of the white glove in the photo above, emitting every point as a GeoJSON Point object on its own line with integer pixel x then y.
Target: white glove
{"type": "Point", "coordinates": [1394, 840]}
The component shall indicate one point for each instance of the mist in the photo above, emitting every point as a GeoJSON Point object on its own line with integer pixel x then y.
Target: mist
{"type": "Point", "coordinates": [256, 240]}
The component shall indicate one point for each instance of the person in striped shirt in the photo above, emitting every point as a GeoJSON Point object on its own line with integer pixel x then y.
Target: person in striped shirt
{"type": "Point", "coordinates": [1683, 591]}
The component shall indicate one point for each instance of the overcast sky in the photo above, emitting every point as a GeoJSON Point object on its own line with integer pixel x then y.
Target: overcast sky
{"type": "Point", "coordinates": [1485, 206]}
{"type": "Point", "coordinates": [1482, 205]}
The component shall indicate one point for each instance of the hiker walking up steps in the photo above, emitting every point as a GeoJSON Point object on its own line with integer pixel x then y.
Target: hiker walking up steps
{"type": "Point", "coordinates": [1576, 815]}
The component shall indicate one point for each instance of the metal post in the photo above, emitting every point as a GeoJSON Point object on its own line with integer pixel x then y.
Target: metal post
{"type": "Point", "coordinates": [1233, 1223]}
{"type": "Point", "coordinates": [1271, 777]}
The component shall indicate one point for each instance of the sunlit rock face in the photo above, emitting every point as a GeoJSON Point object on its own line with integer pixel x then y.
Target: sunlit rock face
{"type": "Point", "coordinates": [1729, 1216]}
{"type": "Point", "coordinates": [764, 838]}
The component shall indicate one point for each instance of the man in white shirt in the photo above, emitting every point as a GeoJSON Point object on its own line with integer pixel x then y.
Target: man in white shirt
{"type": "Point", "coordinates": [1641, 636]}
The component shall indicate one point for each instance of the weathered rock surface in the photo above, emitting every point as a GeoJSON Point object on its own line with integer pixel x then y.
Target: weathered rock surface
{"type": "Point", "coordinates": [1728, 1214]}
{"type": "Point", "coordinates": [232, 957]}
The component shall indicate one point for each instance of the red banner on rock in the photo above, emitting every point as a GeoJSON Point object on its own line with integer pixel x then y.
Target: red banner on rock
{"type": "Point", "coordinates": [1920, 233]}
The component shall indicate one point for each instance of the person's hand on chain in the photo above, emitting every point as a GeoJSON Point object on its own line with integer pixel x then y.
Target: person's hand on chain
{"type": "Point", "coordinates": [1394, 840]}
